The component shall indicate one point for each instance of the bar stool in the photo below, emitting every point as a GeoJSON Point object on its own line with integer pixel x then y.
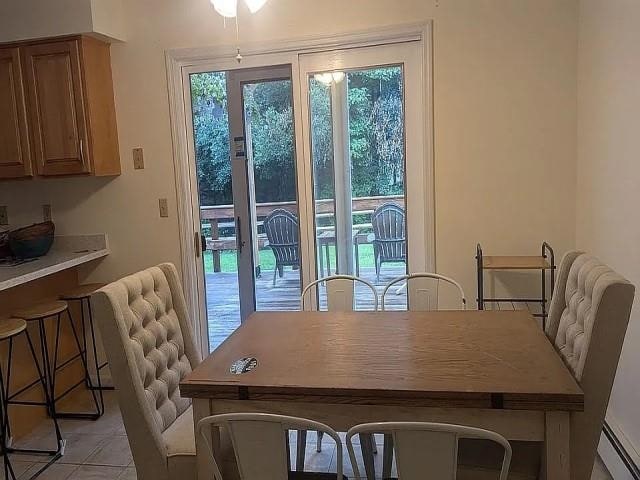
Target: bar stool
{"type": "Point", "coordinates": [82, 295]}
{"type": "Point", "coordinates": [55, 310]}
{"type": "Point", "coordinates": [10, 328]}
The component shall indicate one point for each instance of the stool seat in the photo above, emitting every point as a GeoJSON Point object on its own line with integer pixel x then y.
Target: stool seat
{"type": "Point", "coordinates": [81, 291]}
{"type": "Point", "coordinates": [42, 310]}
{"type": "Point", "coordinates": [10, 327]}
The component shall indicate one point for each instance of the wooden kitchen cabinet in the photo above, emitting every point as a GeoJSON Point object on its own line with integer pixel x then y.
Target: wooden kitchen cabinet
{"type": "Point", "coordinates": [15, 151]}
{"type": "Point", "coordinates": [70, 109]}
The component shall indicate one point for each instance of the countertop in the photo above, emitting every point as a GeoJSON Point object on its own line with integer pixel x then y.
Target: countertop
{"type": "Point", "coordinates": [67, 252]}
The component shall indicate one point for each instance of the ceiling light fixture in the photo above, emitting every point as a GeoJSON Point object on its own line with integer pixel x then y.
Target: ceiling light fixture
{"type": "Point", "coordinates": [229, 8]}
{"type": "Point", "coordinates": [226, 8]}
{"type": "Point", "coordinates": [255, 5]}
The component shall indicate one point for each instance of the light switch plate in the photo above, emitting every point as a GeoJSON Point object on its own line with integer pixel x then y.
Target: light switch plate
{"type": "Point", "coordinates": [164, 207]}
{"type": "Point", "coordinates": [46, 213]}
{"type": "Point", "coordinates": [4, 215]}
{"type": "Point", "coordinates": [138, 159]}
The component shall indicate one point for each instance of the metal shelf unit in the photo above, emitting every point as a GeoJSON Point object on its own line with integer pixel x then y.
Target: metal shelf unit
{"type": "Point", "coordinates": [545, 263]}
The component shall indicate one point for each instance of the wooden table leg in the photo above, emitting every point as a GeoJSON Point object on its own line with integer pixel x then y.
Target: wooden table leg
{"type": "Point", "coordinates": [301, 448]}
{"type": "Point", "coordinates": [366, 445]}
{"type": "Point", "coordinates": [556, 446]}
{"type": "Point", "coordinates": [203, 456]}
{"type": "Point", "coordinates": [387, 456]}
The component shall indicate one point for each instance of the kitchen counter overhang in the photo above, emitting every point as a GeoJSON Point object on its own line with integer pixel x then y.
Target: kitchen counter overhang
{"type": "Point", "coordinates": [68, 251]}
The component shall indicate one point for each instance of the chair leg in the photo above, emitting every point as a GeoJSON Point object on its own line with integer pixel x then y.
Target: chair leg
{"type": "Point", "coordinates": [275, 273]}
{"type": "Point", "coordinates": [387, 456]}
{"type": "Point", "coordinates": [319, 441]}
{"type": "Point", "coordinates": [366, 444]}
{"type": "Point", "coordinates": [301, 448]}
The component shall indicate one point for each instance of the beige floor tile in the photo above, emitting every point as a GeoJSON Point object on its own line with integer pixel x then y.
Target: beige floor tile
{"type": "Point", "coordinates": [93, 472]}
{"type": "Point", "coordinates": [113, 451]}
{"type": "Point", "coordinates": [19, 467]}
{"type": "Point", "coordinates": [348, 470]}
{"type": "Point", "coordinates": [53, 472]}
{"type": "Point", "coordinates": [129, 474]}
{"type": "Point", "coordinates": [41, 439]}
{"type": "Point", "coordinates": [80, 447]}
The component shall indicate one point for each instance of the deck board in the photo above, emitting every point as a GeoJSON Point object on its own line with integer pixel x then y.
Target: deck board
{"type": "Point", "coordinates": [223, 299]}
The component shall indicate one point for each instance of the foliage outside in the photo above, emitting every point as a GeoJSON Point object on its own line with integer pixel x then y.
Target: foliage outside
{"type": "Point", "coordinates": [375, 133]}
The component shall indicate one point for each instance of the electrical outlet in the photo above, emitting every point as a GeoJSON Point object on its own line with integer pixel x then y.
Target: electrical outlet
{"type": "Point", "coordinates": [138, 159]}
{"type": "Point", "coordinates": [46, 213]}
{"type": "Point", "coordinates": [4, 215]}
{"type": "Point", "coordinates": [164, 207]}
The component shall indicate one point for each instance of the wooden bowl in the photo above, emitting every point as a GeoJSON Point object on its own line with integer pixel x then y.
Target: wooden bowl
{"type": "Point", "coordinates": [32, 241]}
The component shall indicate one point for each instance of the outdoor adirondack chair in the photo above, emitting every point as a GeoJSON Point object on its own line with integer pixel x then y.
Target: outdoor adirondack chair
{"type": "Point", "coordinates": [281, 228]}
{"type": "Point", "coordinates": [389, 237]}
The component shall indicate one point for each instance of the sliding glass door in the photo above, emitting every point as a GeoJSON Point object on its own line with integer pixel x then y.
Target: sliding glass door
{"type": "Point", "coordinates": [312, 168]}
{"type": "Point", "coordinates": [243, 133]}
{"type": "Point", "coordinates": [364, 136]}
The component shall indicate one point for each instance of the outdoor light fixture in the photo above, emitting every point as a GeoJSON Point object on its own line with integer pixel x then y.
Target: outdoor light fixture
{"type": "Point", "coordinates": [229, 8]}
{"type": "Point", "coordinates": [327, 78]}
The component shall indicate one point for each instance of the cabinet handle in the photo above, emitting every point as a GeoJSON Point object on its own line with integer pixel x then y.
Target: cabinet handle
{"type": "Point", "coordinates": [81, 151]}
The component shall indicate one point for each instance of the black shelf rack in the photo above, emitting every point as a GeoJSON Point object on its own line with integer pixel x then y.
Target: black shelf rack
{"type": "Point", "coordinates": [545, 263]}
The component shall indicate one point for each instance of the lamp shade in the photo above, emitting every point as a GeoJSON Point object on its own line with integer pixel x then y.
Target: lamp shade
{"type": "Point", "coordinates": [226, 8]}
{"type": "Point", "coordinates": [255, 5]}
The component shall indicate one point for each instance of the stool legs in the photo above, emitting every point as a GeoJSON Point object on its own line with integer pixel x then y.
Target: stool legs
{"type": "Point", "coordinates": [82, 353]}
{"type": "Point", "coordinates": [9, 399]}
{"type": "Point", "coordinates": [96, 362]}
{"type": "Point", "coordinates": [4, 420]}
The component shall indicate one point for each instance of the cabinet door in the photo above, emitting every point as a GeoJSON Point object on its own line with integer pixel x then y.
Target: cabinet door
{"type": "Point", "coordinates": [15, 153]}
{"type": "Point", "coordinates": [56, 108]}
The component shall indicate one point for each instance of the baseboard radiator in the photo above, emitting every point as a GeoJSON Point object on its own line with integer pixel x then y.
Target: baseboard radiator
{"type": "Point", "coordinates": [621, 451]}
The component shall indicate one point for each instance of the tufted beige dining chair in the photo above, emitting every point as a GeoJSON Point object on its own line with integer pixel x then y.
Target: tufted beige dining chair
{"type": "Point", "coordinates": [150, 347]}
{"type": "Point", "coordinates": [587, 323]}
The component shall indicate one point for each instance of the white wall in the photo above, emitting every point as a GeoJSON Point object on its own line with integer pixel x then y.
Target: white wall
{"type": "Point", "coordinates": [505, 123]}
{"type": "Point", "coordinates": [608, 169]}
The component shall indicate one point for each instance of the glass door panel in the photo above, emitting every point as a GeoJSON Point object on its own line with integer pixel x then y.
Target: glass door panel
{"type": "Point", "coordinates": [245, 163]}
{"type": "Point", "coordinates": [210, 120]}
{"type": "Point", "coordinates": [357, 145]}
{"type": "Point", "coordinates": [364, 136]}
{"type": "Point", "coordinates": [269, 133]}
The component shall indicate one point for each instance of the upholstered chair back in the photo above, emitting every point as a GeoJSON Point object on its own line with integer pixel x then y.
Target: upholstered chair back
{"type": "Point", "coordinates": [150, 347]}
{"type": "Point", "coordinates": [587, 323]}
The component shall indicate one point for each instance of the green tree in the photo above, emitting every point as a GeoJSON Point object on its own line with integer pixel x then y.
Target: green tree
{"type": "Point", "coordinates": [211, 136]}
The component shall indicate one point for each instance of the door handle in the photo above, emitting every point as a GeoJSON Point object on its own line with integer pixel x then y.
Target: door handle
{"type": "Point", "coordinates": [239, 241]}
{"type": "Point", "coordinates": [203, 243]}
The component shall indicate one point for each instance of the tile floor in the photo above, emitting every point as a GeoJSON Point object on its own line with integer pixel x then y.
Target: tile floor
{"type": "Point", "coordinates": [100, 451]}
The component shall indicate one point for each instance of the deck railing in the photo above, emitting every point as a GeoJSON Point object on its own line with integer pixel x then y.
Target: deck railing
{"type": "Point", "coordinates": [216, 215]}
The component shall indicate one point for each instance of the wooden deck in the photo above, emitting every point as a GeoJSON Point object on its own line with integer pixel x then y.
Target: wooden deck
{"type": "Point", "coordinates": [223, 300]}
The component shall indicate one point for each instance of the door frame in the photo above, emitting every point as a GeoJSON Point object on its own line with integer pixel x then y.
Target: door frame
{"type": "Point", "coordinates": [181, 62]}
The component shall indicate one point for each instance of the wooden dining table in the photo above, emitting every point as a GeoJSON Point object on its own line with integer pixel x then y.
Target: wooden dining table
{"type": "Point", "coordinates": [489, 369]}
